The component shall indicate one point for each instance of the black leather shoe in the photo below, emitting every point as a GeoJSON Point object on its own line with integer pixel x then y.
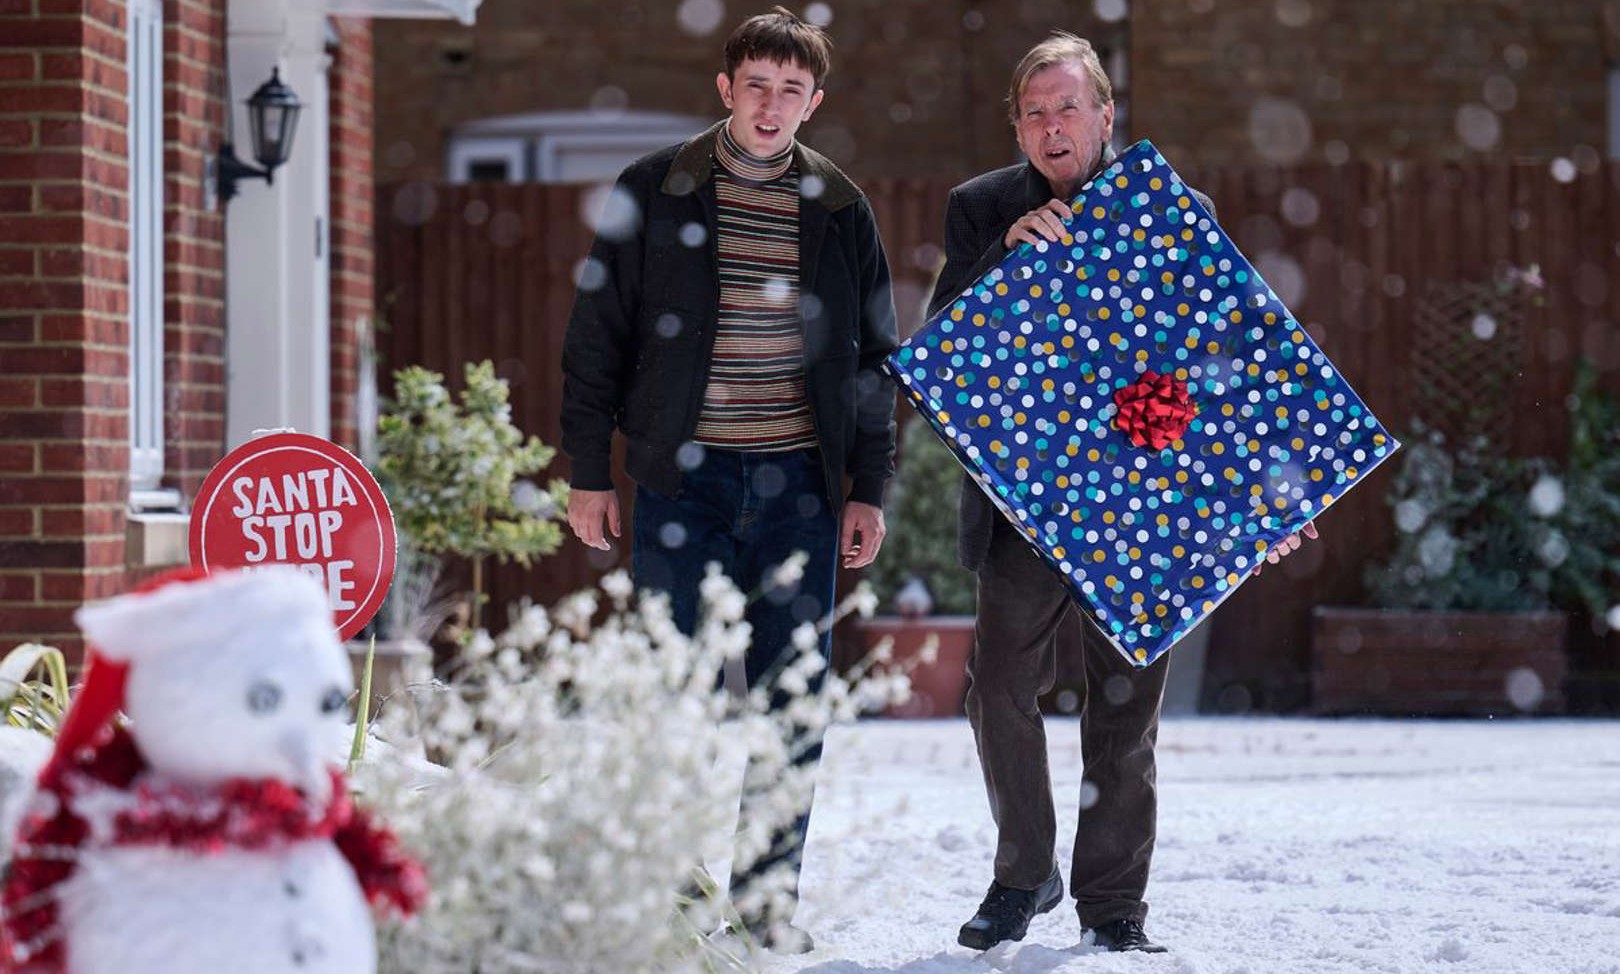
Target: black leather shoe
{"type": "Point", "coordinates": [1006, 912]}
{"type": "Point", "coordinates": [1122, 935]}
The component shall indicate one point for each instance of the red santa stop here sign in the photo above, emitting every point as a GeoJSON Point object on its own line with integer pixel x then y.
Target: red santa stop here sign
{"type": "Point", "coordinates": [296, 499]}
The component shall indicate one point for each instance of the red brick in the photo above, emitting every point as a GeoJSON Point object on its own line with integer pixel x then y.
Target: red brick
{"type": "Point", "coordinates": [71, 522]}
{"type": "Point", "coordinates": [56, 99]}
{"type": "Point", "coordinates": [104, 585]}
{"type": "Point", "coordinates": [16, 199]}
{"type": "Point", "coordinates": [63, 198]}
{"type": "Point", "coordinates": [41, 490]}
{"type": "Point", "coordinates": [90, 329]}
{"type": "Point", "coordinates": [18, 392]}
{"type": "Point", "coordinates": [17, 522]}
{"type": "Point", "coordinates": [41, 554]}
{"type": "Point", "coordinates": [82, 67]}
{"type": "Point", "coordinates": [78, 263]}
{"type": "Point", "coordinates": [95, 392]}
{"type": "Point", "coordinates": [62, 424]}
{"type": "Point", "coordinates": [111, 427]}
{"type": "Point", "coordinates": [18, 588]}
{"type": "Point", "coordinates": [18, 457]}
{"type": "Point", "coordinates": [45, 230]}
{"type": "Point", "coordinates": [40, 361]}
{"type": "Point", "coordinates": [107, 39]}
{"type": "Point", "coordinates": [81, 586]}
{"type": "Point", "coordinates": [16, 133]}
{"type": "Point", "coordinates": [105, 234]}
{"type": "Point", "coordinates": [62, 587]}
{"type": "Point", "coordinates": [41, 164]}
{"type": "Point", "coordinates": [82, 133]}
{"type": "Point", "coordinates": [19, 329]}
{"type": "Point", "coordinates": [105, 553]}
{"type": "Point", "coordinates": [16, 263]}
{"type": "Point", "coordinates": [37, 623]}
{"type": "Point", "coordinates": [58, 458]}
{"type": "Point", "coordinates": [43, 32]}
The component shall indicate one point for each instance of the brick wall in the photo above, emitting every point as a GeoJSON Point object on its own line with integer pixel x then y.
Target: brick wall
{"type": "Point", "coordinates": [64, 364]}
{"type": "Point", "coordinates": [351, 232]}
{"type": "Point", "coordinates": [64, 447]}
{"type": "Point", "coordinates": [917, 84]}
{"type": "Point", "coordinates": [1437, 79]}
{"type": "Point", "coordinates": [194, 242]}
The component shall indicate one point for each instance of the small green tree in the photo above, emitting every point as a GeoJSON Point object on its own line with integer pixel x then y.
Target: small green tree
{"type": "Point", "coordinates": [455, 473]}
{"type": "Point", "coordinates": [922, 529]}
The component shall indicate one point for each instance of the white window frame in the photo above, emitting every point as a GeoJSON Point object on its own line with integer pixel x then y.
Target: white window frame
{"type": "Point", "coordinates": [562, 157]}
{"type": "Point", "coordinates": [145, 63]}
{"type": "Point", "coordinates": [465, 153]}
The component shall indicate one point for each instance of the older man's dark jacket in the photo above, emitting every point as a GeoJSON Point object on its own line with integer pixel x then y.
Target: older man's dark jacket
{"type": "Point", "coordinates": [641, 335]}
{"type": "Point", "coordinates": [977, 218]}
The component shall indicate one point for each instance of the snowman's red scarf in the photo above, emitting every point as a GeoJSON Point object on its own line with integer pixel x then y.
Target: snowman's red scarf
{"type": "Point", "coordinates": [99, 783]}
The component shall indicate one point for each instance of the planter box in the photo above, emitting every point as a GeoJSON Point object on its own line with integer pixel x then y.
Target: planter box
{"type": "Point", "coordinates": [938, 688]}
{"type": "Point", "coordinates": [396, 664]}
{"type": "Point", "coordinates": [1404, 662]}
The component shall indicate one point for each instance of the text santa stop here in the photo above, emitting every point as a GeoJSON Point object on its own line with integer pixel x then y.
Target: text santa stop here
{"type": "Point", "coordinates": [289, 498]}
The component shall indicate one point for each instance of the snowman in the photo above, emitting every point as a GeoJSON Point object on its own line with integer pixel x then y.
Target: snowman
{"type": "Point", "coordinates": [211, 835]}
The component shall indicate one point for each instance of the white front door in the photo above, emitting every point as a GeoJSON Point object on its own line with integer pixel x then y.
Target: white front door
{"type": "Point", "coordinates": [278, 332]}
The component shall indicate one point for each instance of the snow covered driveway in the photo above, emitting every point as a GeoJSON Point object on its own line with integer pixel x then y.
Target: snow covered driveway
{"type": "Point", "coordinates": [1285, 847]}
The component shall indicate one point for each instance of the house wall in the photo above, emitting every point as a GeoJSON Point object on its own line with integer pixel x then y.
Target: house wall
{"type": "Point", "coordinates": [1437, 80]}
{"type": "Point", "coordinates": [917, 85]}
{"type": "Point", "coordinates": [353, 300]}
{"type": "Point", "coordinates": [64, 451]}
{"type": "Point", "coordinates": [64, 279]}
{"type": "Point", "coordinates": [194, 241]}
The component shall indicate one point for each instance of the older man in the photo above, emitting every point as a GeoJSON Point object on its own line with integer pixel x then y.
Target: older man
{"type": "Point", "coordinates": [1062, 111]}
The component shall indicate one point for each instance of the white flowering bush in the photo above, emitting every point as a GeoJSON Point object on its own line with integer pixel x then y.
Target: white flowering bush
{"type": "Point", "coordinates": [569, 796]}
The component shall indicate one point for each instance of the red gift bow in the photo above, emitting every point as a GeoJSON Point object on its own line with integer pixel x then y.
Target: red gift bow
{"type": "Point", "coordinates": [1154, 410]}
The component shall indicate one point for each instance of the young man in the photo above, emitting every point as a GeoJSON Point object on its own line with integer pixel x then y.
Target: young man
{"type": "Point", "coordinates": [731, 329]}
{"type": "Point", "coordinates": [1062, 111]}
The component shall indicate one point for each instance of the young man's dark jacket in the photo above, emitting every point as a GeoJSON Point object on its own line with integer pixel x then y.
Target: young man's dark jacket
{"type": "Point", "coordinates": [639, 345]}
{"type": "Point", "coordinates": [977, 218]}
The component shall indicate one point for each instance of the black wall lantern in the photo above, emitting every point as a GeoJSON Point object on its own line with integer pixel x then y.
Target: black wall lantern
{"type": "Point", "coordinates": [273, 113]}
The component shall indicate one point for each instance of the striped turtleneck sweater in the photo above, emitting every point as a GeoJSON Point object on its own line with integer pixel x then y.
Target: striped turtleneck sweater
{"type": "Point", "coordinates": [755, 400]}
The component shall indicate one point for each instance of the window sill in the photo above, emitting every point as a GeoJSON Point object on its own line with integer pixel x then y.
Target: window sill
{"type": "Point", "coordinates": [153, 540]}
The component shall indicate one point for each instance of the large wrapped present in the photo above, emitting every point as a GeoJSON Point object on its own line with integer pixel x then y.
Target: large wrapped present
{"type": "Point", "coordinates": [1139, 403]}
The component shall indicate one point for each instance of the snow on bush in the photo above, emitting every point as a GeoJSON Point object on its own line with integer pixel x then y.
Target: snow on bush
{"type": "Point", "coordinates": [569, 794]}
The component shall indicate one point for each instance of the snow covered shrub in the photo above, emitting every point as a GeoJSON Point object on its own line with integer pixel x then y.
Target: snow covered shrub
{"type": "Point", "coordinates": [1464, 535]}
{"type": "Point", "coordinates": [574, 791]}
{"type": "Point", "coordinates": [1479, 531]}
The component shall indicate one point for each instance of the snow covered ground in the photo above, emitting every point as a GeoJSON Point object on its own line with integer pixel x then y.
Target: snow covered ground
{"type": "Point", "coordinates": [1285, 847]}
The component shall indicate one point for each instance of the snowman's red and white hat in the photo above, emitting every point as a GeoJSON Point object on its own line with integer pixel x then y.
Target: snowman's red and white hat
{"type": "Point", "coordinates": [186, 607]}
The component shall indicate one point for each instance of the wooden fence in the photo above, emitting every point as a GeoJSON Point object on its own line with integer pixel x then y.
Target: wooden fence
{"type": "Point", "coordinates": [485, 271]}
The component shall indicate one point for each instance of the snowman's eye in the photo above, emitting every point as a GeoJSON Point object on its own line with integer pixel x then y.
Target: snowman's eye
{"type": "Point", "coordinates": [263, 697]}
{"type": "Point", "coordinates": [334, 701]}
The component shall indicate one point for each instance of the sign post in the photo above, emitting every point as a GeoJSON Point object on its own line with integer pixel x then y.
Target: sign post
{"type": "Point", "coordinates": [295, 499]}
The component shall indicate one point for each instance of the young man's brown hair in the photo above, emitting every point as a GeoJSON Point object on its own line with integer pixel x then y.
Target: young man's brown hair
{"type": "Point", "coordinates": [780, 36]}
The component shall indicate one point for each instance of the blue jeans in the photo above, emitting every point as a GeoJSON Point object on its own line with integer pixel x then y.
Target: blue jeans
{"type": "Point", "coordinates": [749, 512]}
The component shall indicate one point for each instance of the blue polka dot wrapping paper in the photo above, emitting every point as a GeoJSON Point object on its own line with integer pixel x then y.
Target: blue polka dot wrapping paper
{"type": "Point", "coordinates": [1038, 376]}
